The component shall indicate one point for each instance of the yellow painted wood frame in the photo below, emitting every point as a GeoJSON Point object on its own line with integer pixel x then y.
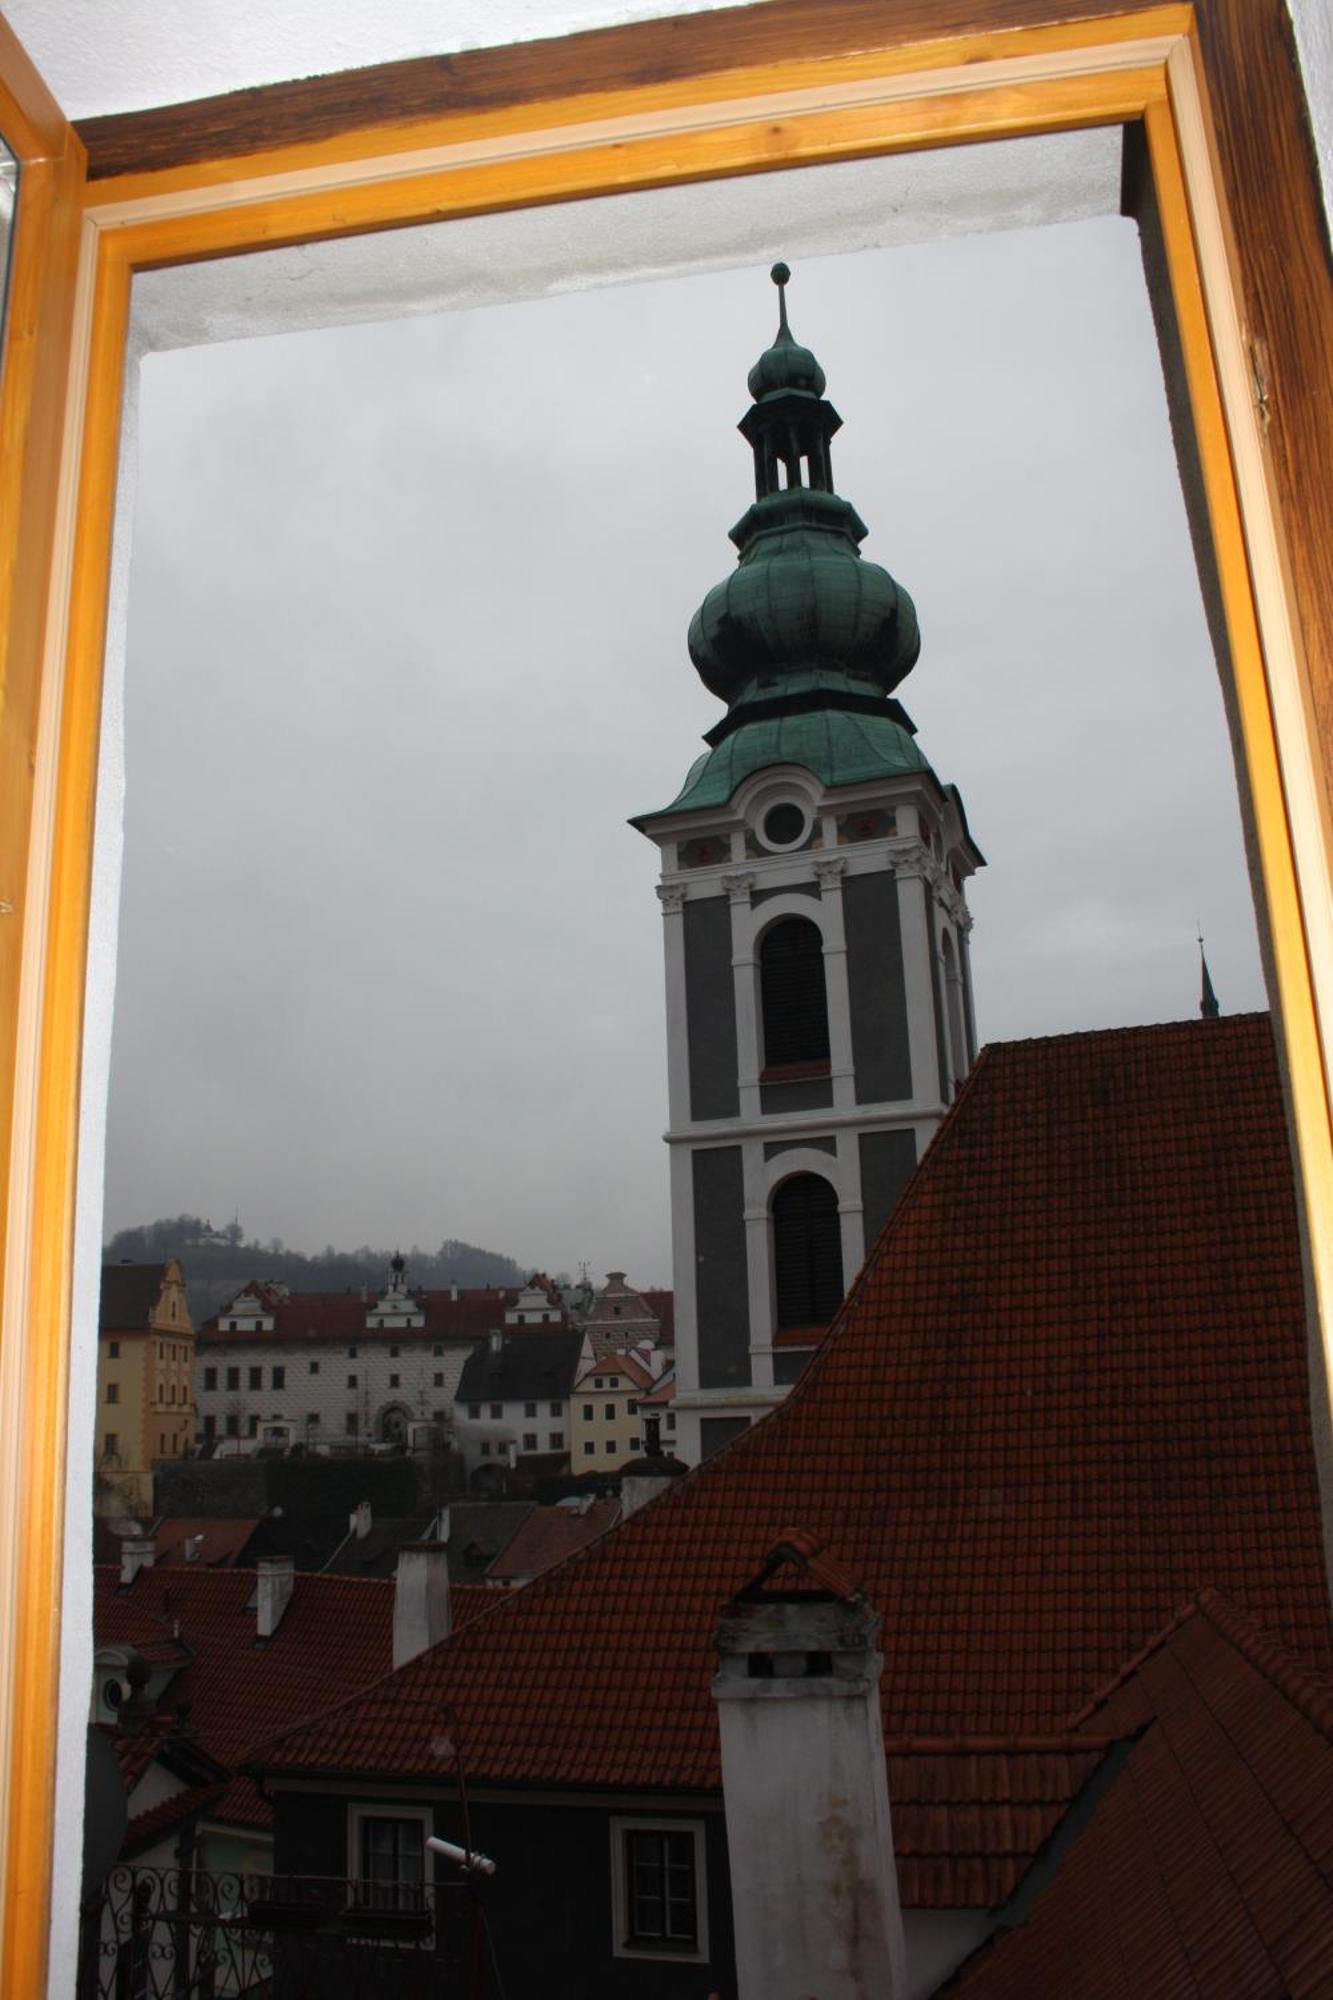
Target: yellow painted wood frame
{"type": "Point", "coordinates": [1143, 65]}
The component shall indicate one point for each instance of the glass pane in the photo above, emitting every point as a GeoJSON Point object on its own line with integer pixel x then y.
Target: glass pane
{"type": "Point", "coordinates": [9, 187]}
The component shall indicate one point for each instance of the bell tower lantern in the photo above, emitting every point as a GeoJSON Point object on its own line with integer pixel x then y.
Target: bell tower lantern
{"type": "Point", "coordinates": [819, 1005]}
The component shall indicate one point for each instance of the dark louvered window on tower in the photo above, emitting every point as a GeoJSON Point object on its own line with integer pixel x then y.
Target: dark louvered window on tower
{"type": "Point", "coordinates": [791, 981]}
{"type": "Point", "coordinates": [807, 1252]}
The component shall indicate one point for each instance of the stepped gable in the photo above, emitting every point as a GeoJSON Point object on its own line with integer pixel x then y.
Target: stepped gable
{"type": "Point", "coordinates": [1207, 1866]}
{"type": "Point", "coordinates": [1068, 1390]}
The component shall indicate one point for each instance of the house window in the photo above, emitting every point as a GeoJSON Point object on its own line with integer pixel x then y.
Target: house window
{"type": "Point", "coordinates": [485, 1447]}
{"type": "Point", "coordinates": [113, 1392]}
{"type": "Point", "coordinates": [350, 1424]}
{"type": "Point", "coordinates": [497, 1410]}
{"type": "Point", "coordinates": [111, 1445]}
{"type": "Point", "coordinates": [609, 1412]}
{"type": "Point", "coordinates": [529, 1440]}
{"type": "Point", "coordinates": [807, 1252]}
{"type": "Point", "coordinates": [256, 1378]}
{"type": "Point", "coordinates": [438, 1382]}
{"type": "Point", "coordinates": [388, 1859]}
{"type": "Point", "coordinates": [113, 1350]}
{"type": "Point", "coordinates": [474, 1409]}
{"type": "Point", "coordinates": [587, 1413]}
{"type": "Point", "coordinates": [529, 1409]}
{"type": "Point", "coordinates": [351, 1354]}
{"type": "Point", "coordinates": [233, 1425]}
{"type": "Point", "coordinates": [312, 1421]}
{"type": "Point", "coordinates": [314, 1368]}
{"type": "Point", "coordinates": [634, 1444]}
{"type": "Point", "coordinates": [351, 1381]}
{"type": "Point", "coordinates": [210, 1429]}
{"type": "Point", "coordinates": [393, 1381]}
{"type": "Point", "coordinates": [210, 1378]}
{"type": "Point", "coordinates": [557, 1409]}
{"type": "Point", "coordinates": [631, 1408]}
{"type": "Point", "coordinates": [671, 1420]}
{"type": "Point", "coordinates": [598, 1382]}
{"type": "Point", "coordinates": [279, 1378]}
{"type": "Point", "coordinates": [556, 1441]}
{"type": "Point", "coordinates": [438, 1347]}
{"type": "Point", "coordinates": [393, 1354]}
{"type": "Point", "coordinates": [253, 1424]}
{"type": "Point", "coordinates": [658, 1889]}
{"type": "Point", "coordinates": [233, 1378]}
{"type": "Point", "coordinates": [610, 1447]}
{"type": "Point", "coordinates": [792, 997]}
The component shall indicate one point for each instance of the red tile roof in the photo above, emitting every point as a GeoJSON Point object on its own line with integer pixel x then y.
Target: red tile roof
{"type": "Point", "coordinates": [664, 1305]}
{"type": "Point", "coordinates": [335, 1638]}
{"type": "Point", "coordinates": [1207, 1867]}
{"type": "Point", "coordinates": [549, 1535]}
{"type": "Point", "coordinates": [216, 1541]}
{"type": "Point", "coordinates": [341, 1316]}
{"type": "Point", "coordinates": [147, 1827]}
{"type": "Point", "coordinates": [130, 1295]}
{"type": "Point", "coordinates": [1068, 1390]}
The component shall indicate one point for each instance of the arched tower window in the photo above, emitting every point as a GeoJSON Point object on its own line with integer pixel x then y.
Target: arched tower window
{"type": "Point", "coordinates": [807, 1252]}
{"type": "Point", "coordinates": [794, 1003]}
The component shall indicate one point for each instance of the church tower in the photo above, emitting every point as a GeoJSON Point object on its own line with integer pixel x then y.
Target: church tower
{"type": "Point", "coordinates": [819, 1004]}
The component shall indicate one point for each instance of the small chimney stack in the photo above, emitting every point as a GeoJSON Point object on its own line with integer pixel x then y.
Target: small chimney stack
{"type": "Point", "coordinates": [277, 1578]}
{"type": "Point", "coordinates": [422, 1613]}
{"type": "Point", "coordinates": [495, 1340]}
{"type": "Point", "coordinates": [136, 1553]}
{"type": "Point", "coordinates": [360, 1520]}
{"type": "Point", "coordinates": [644, 1479]}
{"type": "Point", "coordinates": [814, 1887]}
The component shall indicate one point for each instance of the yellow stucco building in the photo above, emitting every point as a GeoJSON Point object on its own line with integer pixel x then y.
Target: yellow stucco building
{"type": "Point", "coordinates": [145, 1366]}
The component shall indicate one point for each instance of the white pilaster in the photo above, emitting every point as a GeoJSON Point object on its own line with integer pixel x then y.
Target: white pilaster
{"type": "Point", "coordinates": [744, 974]}
{"type": "Point", "coordinates": [829, 873]}
{"type": "Point", "coordinates": [671, 895]}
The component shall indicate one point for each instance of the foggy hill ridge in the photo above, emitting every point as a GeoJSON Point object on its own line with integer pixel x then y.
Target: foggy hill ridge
{"type": "Point", "coordinates": [217, 1262]}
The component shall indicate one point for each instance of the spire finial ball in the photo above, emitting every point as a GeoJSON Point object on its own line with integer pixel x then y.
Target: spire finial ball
{"type": "Point", "coordinates": [780, 274]}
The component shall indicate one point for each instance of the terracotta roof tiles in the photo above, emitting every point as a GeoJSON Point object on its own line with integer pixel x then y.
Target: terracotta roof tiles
{"type": "Point", "coordinates": [1207, 1867]}
{"type": "Point", "coordinates": [1068, 1390]}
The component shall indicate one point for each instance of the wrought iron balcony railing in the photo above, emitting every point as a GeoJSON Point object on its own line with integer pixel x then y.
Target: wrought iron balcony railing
{"type": "Point", "coordinates": [183, 1934]}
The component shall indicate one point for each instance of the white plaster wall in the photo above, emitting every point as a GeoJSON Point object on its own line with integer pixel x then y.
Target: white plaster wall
{"type": "Point", "coordinates": [326, 1393]}
{"type": "Point", "coordinates": [1313, 23]}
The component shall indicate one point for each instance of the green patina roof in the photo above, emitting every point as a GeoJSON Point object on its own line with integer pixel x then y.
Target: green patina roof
{"type": "Point", "coordinates": [839, 746]}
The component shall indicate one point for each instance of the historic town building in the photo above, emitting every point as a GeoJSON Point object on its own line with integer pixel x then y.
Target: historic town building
{"type": "Point", "coordinates": [311, 1368]}
{"type": "Point", "coordinates": [819, 1001]}
{"type": "Point", "coordinates": [145, 1359]}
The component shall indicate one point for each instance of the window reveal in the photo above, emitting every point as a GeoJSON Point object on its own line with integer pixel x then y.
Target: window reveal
{"type": "Point", "coordinates": [807, 1252]}
{"type": "Point", "coordinates": [793, 1000]}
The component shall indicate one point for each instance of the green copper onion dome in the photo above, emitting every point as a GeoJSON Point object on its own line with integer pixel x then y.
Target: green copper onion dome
{"type": "Point", "coordinates": [803, 621]}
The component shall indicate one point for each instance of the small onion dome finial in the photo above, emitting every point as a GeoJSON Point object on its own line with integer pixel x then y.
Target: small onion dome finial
{"type": "Point", "coordinates": [786, 364]}
{"type": "Point", "coordinates": [398, 1263]}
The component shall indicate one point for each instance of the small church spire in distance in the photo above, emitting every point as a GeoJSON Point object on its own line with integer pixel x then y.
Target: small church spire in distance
{"type": "Point", "coordinates": [1208, 1006]}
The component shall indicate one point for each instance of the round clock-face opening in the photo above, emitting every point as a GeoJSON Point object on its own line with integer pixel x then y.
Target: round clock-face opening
{"type": "Point", "coordinates": [784, 824]}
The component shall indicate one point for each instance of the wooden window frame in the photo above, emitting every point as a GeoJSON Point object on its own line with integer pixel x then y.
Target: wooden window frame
{"type": "Point", "coordinates": [790, 83]}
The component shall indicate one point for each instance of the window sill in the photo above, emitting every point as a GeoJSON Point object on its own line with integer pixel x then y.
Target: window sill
{"type": "Point", "coordinates": [795, 1072]}
{"type": "Point", "coordinates": [800, 1336]}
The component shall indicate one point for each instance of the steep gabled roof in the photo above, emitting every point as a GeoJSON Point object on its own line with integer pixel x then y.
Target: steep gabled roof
{"type": "Point", "coordinates": [1207, 1867]}
{"type": "Point", "coordinates": [1068, 1390]}
{"type": "Point", "coordinates": [532, 1365]}
{"type": "Point", "coordinates": [130, 1293]}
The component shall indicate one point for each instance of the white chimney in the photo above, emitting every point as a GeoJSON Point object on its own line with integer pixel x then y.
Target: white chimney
{"type": "Point", "coordinates": [814, 1889]}
{"type": "Point", "coordinates": [136, 1553]}
{"type": "Point", "coordinates": [422, 1614]}
{"type": "Point", "coordinates": [496, 1340]}
{"type": "Point", "coordinates": [453, 1293]}
{"type": "Point", "coordinates": [643, 1481]}
{"type": "Point", "coordinates": [360, 1519]}
{"type": "Point", "coordinates": [273, 1593]}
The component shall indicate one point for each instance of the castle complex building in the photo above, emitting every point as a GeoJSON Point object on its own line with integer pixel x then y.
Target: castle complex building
{"type": "Point", "coordinates": [819, 999]}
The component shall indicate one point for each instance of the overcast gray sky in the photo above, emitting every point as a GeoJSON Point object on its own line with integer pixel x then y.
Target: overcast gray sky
{"type": "Point", "coordinates": [407, 646]}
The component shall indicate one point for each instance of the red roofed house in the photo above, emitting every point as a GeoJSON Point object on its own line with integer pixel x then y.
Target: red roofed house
{"type": "Point", "coordinates": [1067, 1394]}
{"type": "Point", "coordinates": [246, 1652]}
{"type": "Point", "coordinates": [329, 1366]}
